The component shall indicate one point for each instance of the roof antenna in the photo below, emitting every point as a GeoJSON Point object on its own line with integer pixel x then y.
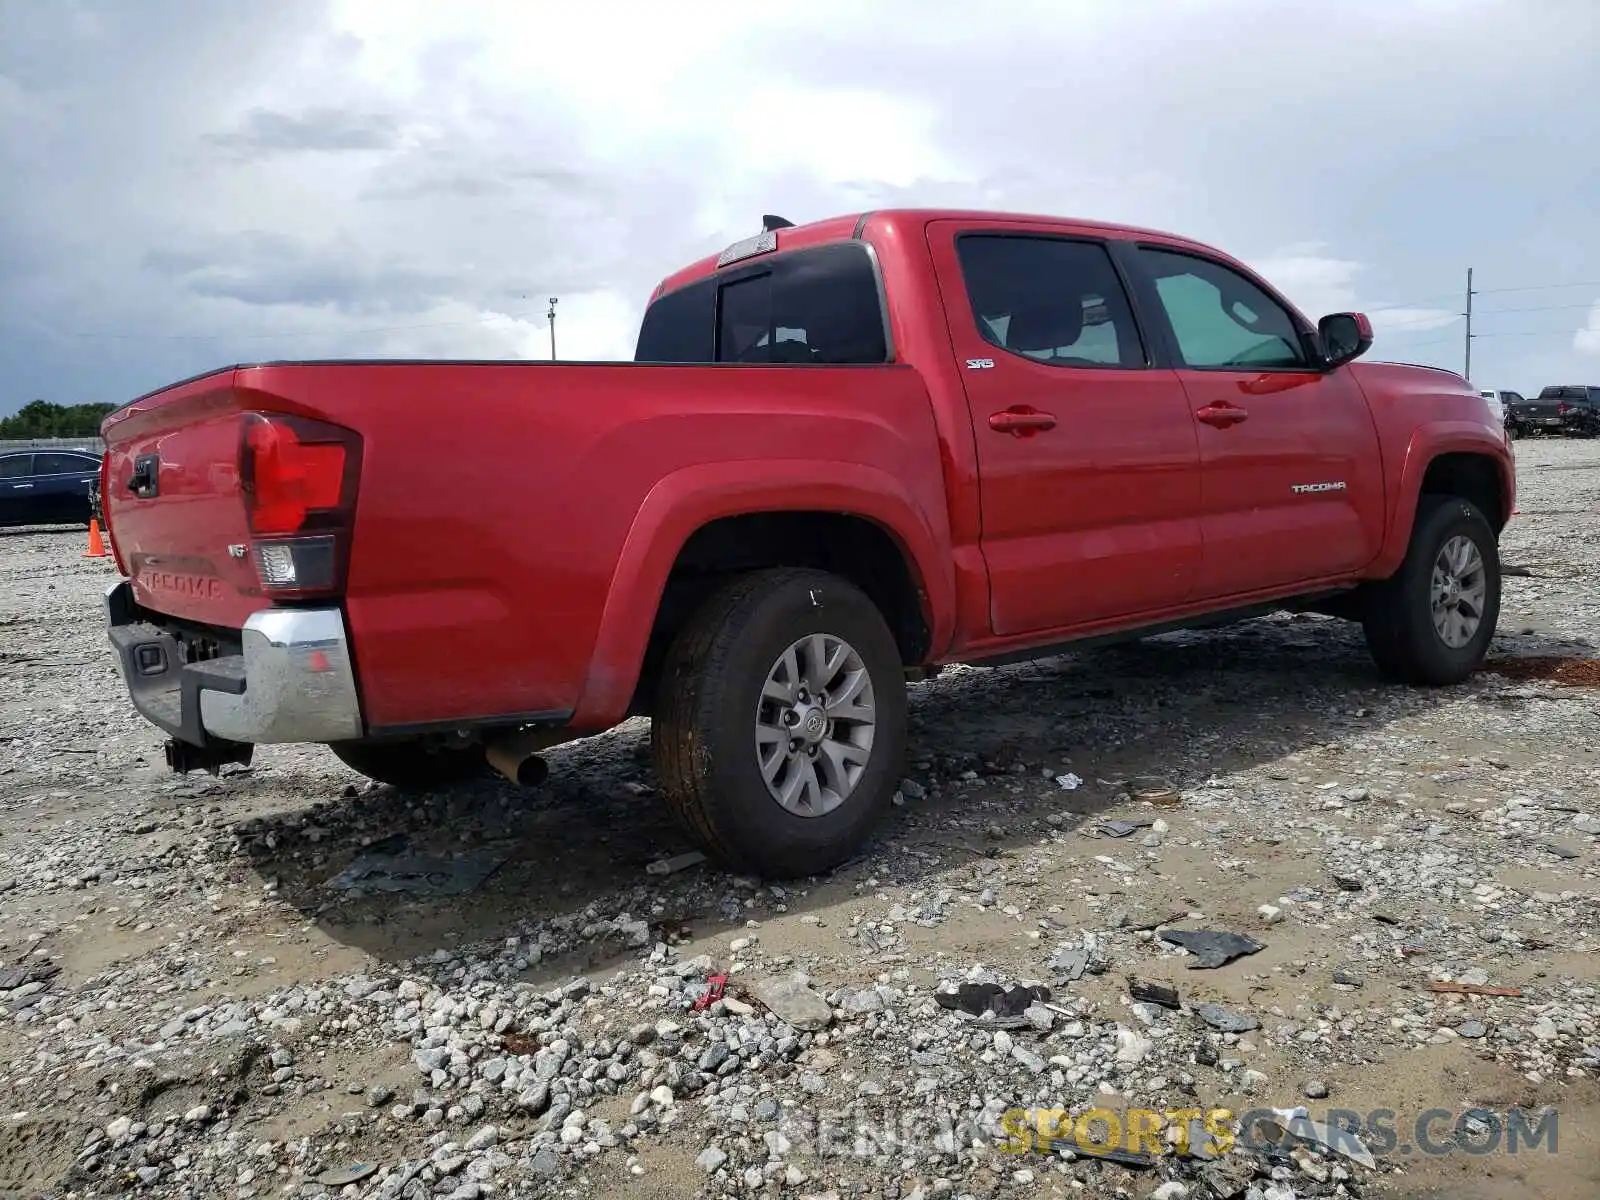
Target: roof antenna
{"type": "Point", "coordinates": [770, 223]}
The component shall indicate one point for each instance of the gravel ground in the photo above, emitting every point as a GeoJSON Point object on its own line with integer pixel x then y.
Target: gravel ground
{"type": "Point", "coordinates": [187, 1008]}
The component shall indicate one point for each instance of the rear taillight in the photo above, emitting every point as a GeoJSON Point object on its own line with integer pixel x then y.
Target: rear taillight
{"type": "Point", "coordinates": [298, 478]}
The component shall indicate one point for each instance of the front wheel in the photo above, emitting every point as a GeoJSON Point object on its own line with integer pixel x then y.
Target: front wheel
{"type": "Point", "coordinates": [780, 722]}
{"type": "Point", "coordinates": [414, 766]}
{"type": "Point", "coordinates": [1432, 621]}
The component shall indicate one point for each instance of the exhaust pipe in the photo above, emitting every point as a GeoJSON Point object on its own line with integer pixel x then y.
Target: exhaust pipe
{"type": "Point", "coordinates": [516, 756]}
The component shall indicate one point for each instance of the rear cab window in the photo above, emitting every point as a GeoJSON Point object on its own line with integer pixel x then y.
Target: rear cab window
{"type": "Point", "coordinates": [818, 306]}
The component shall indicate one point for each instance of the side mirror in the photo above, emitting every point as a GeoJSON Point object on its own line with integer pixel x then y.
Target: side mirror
{"type": "Point", "coordinates": [1344, 337]}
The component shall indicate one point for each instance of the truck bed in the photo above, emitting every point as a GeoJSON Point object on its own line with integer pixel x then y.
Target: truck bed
{"type": "Point", "coordinates": [493, 502]}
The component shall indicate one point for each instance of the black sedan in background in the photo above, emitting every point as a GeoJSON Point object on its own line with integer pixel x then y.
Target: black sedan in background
{"type": "Point", "coordinates": [47, 487]}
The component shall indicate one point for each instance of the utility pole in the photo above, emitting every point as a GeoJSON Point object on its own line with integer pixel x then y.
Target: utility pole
{"type": "Point", "coordinates": [1468, 371]}
{"type": "Point", "coordinates": [551, 316]}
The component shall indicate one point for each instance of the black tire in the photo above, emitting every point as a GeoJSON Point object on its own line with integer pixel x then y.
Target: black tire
{"type": "Point", "coordinates": [1399, 610]}
{"type": "Point", "coordinates": [703, 732]}
{"type": "Point", "coordinates": [413, 766]}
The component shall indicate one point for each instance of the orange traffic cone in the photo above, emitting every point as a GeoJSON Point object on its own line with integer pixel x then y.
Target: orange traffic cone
{"type": "Point", "coordinates": [97, 546]}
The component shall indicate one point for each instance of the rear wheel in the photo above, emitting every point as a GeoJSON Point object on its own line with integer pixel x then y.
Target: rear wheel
{"type": "Point", "coordinates": [1432, 621]}
{"type": "Point", "coordinates": [412, 765]}
{"type": "Point", "coordinates": [780, 722]}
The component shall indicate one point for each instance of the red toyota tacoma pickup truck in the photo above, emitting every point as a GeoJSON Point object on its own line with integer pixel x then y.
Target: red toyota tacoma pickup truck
{"type": "Point", "coordinates": [847, 453]}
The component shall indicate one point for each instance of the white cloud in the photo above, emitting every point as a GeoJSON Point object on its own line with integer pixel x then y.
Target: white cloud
{"type": "Point", "coordinates": [1587, 339]}
{"type": "Point", "coordinates": [191, 183]}
{"type": "Point", "coordinates": [1319, 283]}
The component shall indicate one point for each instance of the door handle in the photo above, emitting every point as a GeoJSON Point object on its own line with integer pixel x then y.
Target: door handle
{"type": "Point", "coordinates": [20, 486]}
{"type": "Point", "coordinates": [1021, 420]}
{"type": "Point", "coordinates": [1222, 414]}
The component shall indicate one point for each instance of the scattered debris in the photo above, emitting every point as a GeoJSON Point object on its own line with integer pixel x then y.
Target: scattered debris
{"type": "Point", "coordinates": [1225, 1020]}
{"type": "Point", "coordinates": [1119, 828]}
{"type": "Point", "coordinates": [418, 873]}
{"type": "Point", "coordinates": [1123, 1158]}
{"type": "Point", "coordinates": [678, 862]}
{"type": "Point", "coordinates": [1140, 915]}
{"type": "Point", "coordinates": [1211, 947]}
{"type": "Point", "coordinates": [1161, 994]}
{"type": "Point", "coordinates": [344, 1176]}
{"type": "Point", "coordinates": [1297, 1123]}
{"type": "Point", "coordinates": [1471, 989]}
{"type": "Point", "coordinates": [991, 1000]}
{"type": "Point", "coordinates": [1154, 790]}
{"type": "Point", "coordinates": [715, 986]}
{"type": "Point", "coordinates": [792, 1000]}
{"type": "Point", "coordinates": [1069, 782]}
{"type": "Point", "coordinates": [671, 930]}
{"type": "Point", "coordinates": [1069, 963]}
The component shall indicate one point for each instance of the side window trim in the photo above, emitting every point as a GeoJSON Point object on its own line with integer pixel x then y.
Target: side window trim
{"type": "Point", "coordinates": [1147, 353]}
{"type": "Point", "coordinates": [1146, 284]}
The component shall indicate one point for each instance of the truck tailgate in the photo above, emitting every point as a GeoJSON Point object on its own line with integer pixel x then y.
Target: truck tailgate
{"type": "Point", "coordinates": [174, 505]}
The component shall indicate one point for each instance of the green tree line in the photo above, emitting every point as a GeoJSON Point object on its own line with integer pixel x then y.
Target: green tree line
{"type": "Point", "coordinates": [41, 419]}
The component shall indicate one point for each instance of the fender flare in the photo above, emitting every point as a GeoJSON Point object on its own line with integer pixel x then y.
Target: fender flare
{"type": "Point", "coordinates": [682, 502]}
{"type": "Point", "coordinates": [1421, 450]}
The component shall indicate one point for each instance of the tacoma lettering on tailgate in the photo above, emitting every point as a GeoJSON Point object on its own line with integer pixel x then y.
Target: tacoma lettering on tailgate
{"type": "Point", "coordinates": [182, 584]}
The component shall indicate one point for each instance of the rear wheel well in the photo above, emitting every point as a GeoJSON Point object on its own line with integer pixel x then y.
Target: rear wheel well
{"type": "Point", "coordinates": [1472, 477]}
{"type": "Point", "coordinates": [852, 547]}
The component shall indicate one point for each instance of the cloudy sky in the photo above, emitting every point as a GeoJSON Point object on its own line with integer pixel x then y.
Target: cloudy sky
{"type": "Point", "coordinates": [186, 183]}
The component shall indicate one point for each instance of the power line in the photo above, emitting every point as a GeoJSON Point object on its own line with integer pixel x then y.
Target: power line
{"type": "Point", "coordinates": [1539, 287]}
{"type": "Point", "coordinates": [1536, 287]}
{"type": "Point", "coordinates": [1422, 321]}
{"type": "Point", "coordinates": [515, 315]}
{"type": "Point", "coordinates": [1480, 336]}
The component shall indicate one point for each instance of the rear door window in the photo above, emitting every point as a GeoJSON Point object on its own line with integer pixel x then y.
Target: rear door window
{"type": "Point", "coordinates": [15, 466]}
{"type": "Point", "coordinates": [62, 464]}
{"type": "Point", "coordinates": [1055, 300]}
{"type": "Point", "coordinates": [818, 306]}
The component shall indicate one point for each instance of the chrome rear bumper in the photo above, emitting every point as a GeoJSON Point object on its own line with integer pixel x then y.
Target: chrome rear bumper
{"type": "Point", "coordinates": [289, 677]}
